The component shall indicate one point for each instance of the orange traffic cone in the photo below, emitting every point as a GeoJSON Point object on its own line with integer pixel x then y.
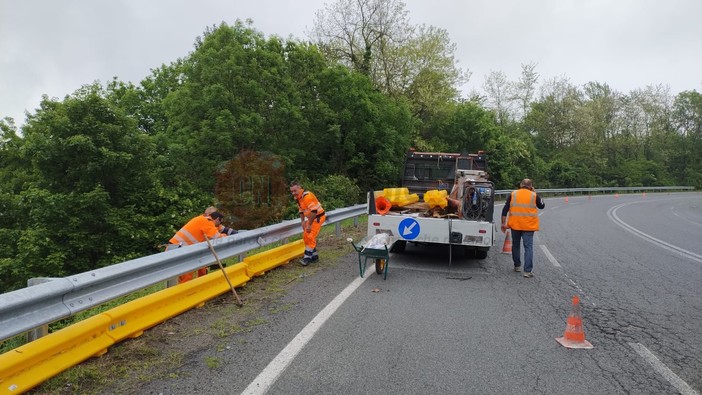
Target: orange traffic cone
{"type": "Point", "coordinates": [382, 205]}
{"type": "Point", "coordinates": [644, 195]}
{"type": "Point", "coordinates": [507, 247]}
{"type": "Point", "coordinates": [566, 199]}
{"type": "Point", "coordinates": [574, 335]}
{"type": "Point", "coordinates": [616, 196]}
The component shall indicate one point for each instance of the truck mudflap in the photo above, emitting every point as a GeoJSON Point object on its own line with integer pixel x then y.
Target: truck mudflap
{"type": "Point", "coordinates": [433, 230]}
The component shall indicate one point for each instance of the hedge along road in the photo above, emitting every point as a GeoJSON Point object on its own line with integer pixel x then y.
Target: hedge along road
{"type": "Point", "coordinates": [475, 326]}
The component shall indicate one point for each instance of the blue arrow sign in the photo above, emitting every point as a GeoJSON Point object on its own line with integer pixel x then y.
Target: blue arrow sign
{"type": "Point", "coordinates": [409, 228]}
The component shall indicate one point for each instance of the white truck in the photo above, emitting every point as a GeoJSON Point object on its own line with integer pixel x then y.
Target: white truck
{"type": "Point", "coordinates": [466, 221]}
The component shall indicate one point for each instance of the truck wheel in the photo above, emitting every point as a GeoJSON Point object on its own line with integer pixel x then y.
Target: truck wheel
{"type": "Point", "coordinates": [379, 265]}
{"type": "Point", "coordinates": [469, 252]}
{"type": "Point", "coordinates": [481, 254]}
{"type": "Point", "coordinates": [399, 246]}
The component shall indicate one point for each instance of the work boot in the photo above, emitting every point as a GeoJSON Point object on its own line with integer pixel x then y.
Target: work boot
{"type": "Point", "coordinates": [315, 258]}
{"type": "Point", "coordinates": [305, 261]}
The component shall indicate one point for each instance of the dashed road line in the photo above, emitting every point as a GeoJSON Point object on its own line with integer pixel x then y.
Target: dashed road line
{"type": "Point", "coordinates": [549, 256]}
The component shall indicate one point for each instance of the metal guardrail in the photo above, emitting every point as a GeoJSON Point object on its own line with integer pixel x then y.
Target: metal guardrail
{"type": "Point", "coordinates": [41, 304]}
{"type": "Point", "coordinates": [603, 189]}
{"type": "Point", "coordinates": [28, 308]}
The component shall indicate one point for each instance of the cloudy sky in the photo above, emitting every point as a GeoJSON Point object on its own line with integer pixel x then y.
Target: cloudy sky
{"type": "Point", "coordinates": [54, 47]}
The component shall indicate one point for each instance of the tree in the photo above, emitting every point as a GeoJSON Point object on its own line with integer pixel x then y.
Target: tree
{"type": "Point", "coordinates": [498, 91]}
{"type": "Point", "coordinates": [374, 37]}
{"type": "Point", "coordinates": [92, 192]}
{"type": "Point", "coordinates": [523, 90]}
{"type": "Point", "coordinates": [356, 32]}
{"type": "Point", "coordinates": [686, 163]}
{"type": "Point", "coordinates": [554, 120]}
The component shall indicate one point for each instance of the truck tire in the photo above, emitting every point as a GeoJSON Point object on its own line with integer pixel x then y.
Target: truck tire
{"type": "Point", "coordinates": [481, 254]}
{"type": "Point", "coordinates": [399, 246]}
{"type": "Point", "coordinates": [469, 252]}
{"type": "Point", "coordinates": [380, 265]}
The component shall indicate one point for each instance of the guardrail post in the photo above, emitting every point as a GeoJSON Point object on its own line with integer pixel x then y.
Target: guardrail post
{"type": "Point", "coordinates": [172, 282]}
{"type": "Point", "coordinates": [35, 333]}
{"type": "Point", "coordinates": [355, 222]}
{"type": "Point", "coordinates": [337, 228]}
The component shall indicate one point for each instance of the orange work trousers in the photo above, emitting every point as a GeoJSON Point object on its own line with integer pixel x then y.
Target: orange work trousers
{"type": "Point", "coordinates": [310, 238]}
{"type": "Point", "coordinates": [189, 276]}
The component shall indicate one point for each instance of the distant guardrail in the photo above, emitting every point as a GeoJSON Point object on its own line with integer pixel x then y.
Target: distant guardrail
{"type": "Point", "coordinates": [505, 192]}
{"type": "Point", "coordinates": [32, 307]}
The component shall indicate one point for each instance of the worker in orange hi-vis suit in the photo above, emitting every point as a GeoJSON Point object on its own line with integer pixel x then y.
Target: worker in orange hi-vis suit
{"type": "Point", "coordinates": [312, 217]}
{"type": "Point", "coordinates": [194, 232]}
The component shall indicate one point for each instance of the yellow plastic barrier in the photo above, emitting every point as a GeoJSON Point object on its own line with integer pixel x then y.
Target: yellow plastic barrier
{"type": "Point", "coordinates": [407, 199]}
{"type": "Point", "coordinates": [132, 319]}
{"type": "Point", "coordinates": [29, 365]}
{"type": "Point", "coordinates": [436, 198]}
{"type": "Point", "coordinates": [400, 196]}
{"type": "Point", "coordinates": [26, 366]}
{"type": "Point", "coordinates": [259, 264]}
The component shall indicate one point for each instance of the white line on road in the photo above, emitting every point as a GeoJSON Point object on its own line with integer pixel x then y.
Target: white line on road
{"type": "Point", "coordinates": [270, 374]}
{"type": "Point", "coordinates": [612, 214]}
{"type": "Point", "coordinates": [549, 256]}
{"type": "Point", "coordinates": [660, 367]}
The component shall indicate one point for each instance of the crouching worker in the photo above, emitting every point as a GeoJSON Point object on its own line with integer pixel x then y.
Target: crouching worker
{"type": "Point", "coordinates": [312, 217]}
{"type": "Point", "coordinates": [194, 232]}
{"type": "Point", "coordinates": [227, 231]}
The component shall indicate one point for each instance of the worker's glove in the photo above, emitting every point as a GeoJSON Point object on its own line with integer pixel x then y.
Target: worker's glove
{"type": "Point", "coordinates": [229, 231]}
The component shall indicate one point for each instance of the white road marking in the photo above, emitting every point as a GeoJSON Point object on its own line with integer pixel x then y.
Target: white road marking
{"type": "Point", "coordinates": [663, 370]}
{"type": "Point", "coordinates": [612, 214]}
{"type": "Point", "coordinates": [681, 217]}
{"type": "Point", "coordinates": [270, 374]}
{"type": "Point", "coordinates": [549, 256]}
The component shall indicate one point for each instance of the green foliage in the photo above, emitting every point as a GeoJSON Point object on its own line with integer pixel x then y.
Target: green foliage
{"type": "Point", "coordinates": [337, 191]}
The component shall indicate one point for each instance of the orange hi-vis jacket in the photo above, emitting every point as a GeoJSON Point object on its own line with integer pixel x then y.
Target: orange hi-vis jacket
{"type": "Point", "coordinates": [194, 231]}
{"type": "Point", "coordinates": [523, 213]}
{"type": "Point", "coordinates": [308, 203]}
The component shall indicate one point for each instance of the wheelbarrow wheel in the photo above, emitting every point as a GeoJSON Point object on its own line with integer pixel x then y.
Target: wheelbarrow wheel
{"type": "Point", "coordinates": [380, 265]}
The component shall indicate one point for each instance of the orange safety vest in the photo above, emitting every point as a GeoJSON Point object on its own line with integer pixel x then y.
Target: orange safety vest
{"type": "Point", "coordinates": [523, 213]}
{"type": "Point", "coordinates": [194, 231]}
{"type": "Point", "coordinates": [308, 203]}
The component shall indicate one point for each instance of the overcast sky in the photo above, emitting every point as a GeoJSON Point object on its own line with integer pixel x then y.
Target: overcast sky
{"type": "Point", "coordinates": [54, 47]}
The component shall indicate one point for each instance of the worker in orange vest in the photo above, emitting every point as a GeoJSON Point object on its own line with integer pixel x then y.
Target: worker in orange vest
{"type": "Point", "coordinates": [194, 232]}
{"type": "Point", "coordinates": [312, 217]}
{"type": "Point", "coordinates": [222, 229]}
{"type": "Point", "coordinates": [522, 206]}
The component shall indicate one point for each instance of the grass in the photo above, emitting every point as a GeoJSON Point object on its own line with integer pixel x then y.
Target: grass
{"type": "Point", "coordinates": [212, 362]}
{"type": "Point", "coordinates": [162, 351]}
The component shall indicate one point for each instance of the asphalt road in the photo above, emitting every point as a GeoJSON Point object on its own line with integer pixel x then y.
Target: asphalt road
{"type": "Point", "coordinates": [477, 327]}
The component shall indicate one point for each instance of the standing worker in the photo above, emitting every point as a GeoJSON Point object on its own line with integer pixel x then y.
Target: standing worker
{"type": "Point", "coordinates": [194, 232]}
{"type": "Point", "coordinates": [522, 207]}
{"type": "Point", "coordinates": [312, 217]}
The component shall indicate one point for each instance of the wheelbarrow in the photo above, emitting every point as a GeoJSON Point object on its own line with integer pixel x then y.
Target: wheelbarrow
{"type": "Point", "coordinates": [381, 256]}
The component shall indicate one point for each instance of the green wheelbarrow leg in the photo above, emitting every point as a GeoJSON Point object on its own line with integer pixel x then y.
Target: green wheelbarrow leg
{"type": "Point", "coordinates": [387, 263]}
{"type": "Point", "coordinates": [360, 265]}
